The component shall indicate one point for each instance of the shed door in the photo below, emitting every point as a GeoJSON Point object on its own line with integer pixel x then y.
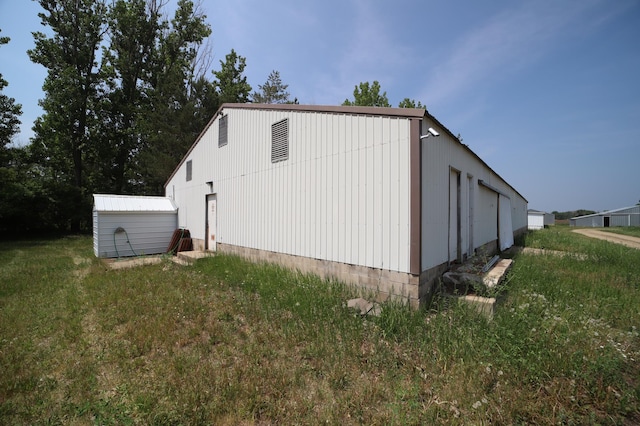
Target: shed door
{"type": "Point", "coordinates": [211, 222]}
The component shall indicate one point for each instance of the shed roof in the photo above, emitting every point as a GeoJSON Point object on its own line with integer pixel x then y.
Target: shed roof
{"type": "Point", "coordinates": [132, 203]}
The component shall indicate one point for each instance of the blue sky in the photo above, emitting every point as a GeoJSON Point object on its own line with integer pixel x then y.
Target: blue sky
{"type": "Point", "coordinates": [546, 92]}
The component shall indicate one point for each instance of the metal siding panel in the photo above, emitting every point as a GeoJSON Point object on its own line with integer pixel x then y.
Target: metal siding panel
{"type": "Point", "coordinates": [96, 240]}
{"type": "Point", "coordinates": [369, 204]}
{"type": "Point", "coordinates": [332, 194]}
{"type": "Point", "coordinates": [404, 194]}
{"type": "Point", "coordinates": [349, 213]}
{"type": "Point", "coordinates": [317, 211]}
{"type": "Point", "coordinates": [350, 133]}
{"type": "Point", "coordinates": [342, 201]}
{"type": "Point", "coordinates": [385, 194]}
{"type": "Point", "coordinates": [393, 225]}
{"type": "Point", "coordinates": [378, 205]}
{"type": "Point", "coordinates": [324, 208]}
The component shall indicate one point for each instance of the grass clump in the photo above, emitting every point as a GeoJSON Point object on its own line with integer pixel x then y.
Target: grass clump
{"type": "Point", "coordinates": [226, 341]}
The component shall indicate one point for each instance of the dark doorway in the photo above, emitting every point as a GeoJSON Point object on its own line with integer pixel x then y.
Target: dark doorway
{"type": "Point", "coordinates": [606, 221]}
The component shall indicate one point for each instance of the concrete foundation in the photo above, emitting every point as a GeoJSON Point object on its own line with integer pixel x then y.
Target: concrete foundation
{"type": "Point", "coordinates": [384, 284]}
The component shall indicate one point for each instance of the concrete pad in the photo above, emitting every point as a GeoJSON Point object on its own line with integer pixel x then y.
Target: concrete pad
{"type": "Point", "coordinates": [529, 250]}
{"type": "Point", "coordinates": [132, 262]}
{"type": "Point", "coordinates": [496, 274]}
{"type": "Point", "coordinates": [192, 256]}
{"type": "Point", "coordinates": [484, 305]}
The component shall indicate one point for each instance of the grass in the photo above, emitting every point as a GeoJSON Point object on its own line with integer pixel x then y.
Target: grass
{"type": "Point", "coordinates": [633, 231]}
{"type": "Point", "coordinates": [229, 342]}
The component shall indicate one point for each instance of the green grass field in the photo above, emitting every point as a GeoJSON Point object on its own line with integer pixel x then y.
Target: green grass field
{"type": "Point", "coordinates": [228, 342]}
{"type": "Point", "coordinates": [633, 231]}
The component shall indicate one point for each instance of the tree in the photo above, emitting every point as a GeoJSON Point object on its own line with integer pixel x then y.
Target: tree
{"type": "Point", "coordinates": [231, 85]}
{"type": "Point", "coordinates": [15, 196]}
{"type": "Point", "coordinates": [123, 126]}
{"type": "Point", "coordinates": [272, 92]}
{"type": "Point", "coordinates": [182, 99]}
{"type": "Point", "coordinates": [149, 108]}
{"type": "Point", "coordinates": [9, 111]}
{"type": "Point", "coordinates": [127, 67]}
{"type": "Point", "coordinates": [368, 95]}
{"type": "Point", "coordinates": [62, 136]}
{"type": "Point", "coordinates": [410, 103]}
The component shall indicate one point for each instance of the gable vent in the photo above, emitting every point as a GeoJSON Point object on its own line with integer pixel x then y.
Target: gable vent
{"type": "Point", "coordinates": [222, 131]}
{"type": "Point", "coordinates": [280, 141]}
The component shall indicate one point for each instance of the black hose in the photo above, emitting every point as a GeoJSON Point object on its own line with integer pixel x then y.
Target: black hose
{"type": "Point", "coordinates": [120, 230]}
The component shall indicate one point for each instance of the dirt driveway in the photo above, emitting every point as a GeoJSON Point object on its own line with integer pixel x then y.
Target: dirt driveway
{"type": "Point", "coordinates": [626, 240]}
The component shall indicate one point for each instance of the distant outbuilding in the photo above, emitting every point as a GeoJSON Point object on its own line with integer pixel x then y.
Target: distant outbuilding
{"type": "Point", "coordinates": [627, 216]}
{"type": "Point", "coordinates": [126, 225]}
{"type": "Point", "coordinates": [539, 220]}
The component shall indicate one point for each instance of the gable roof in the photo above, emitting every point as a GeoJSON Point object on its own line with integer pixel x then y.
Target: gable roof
{"type": "Point", "coordinates": [132, 203]}
{"type": "Point", "coordinates": [608, 212]}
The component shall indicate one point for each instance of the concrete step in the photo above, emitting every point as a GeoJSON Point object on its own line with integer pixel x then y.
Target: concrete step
{"type": "Point", "coordinates": [496, 275]}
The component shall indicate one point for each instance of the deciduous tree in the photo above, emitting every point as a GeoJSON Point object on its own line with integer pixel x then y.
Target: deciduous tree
{"type": "Point", "coordinates": [9, 111]}
{"type": "Point", "coordinates": [62, 133]}
{"type": "Point", "coordinates": [368, 95]}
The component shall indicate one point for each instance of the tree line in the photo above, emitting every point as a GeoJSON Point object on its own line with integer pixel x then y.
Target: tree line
{"type": "Point", "coordinates": [128, 90]}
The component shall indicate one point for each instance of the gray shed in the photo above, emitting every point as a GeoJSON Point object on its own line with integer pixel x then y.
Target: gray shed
{"type": "Point", "coordinates": [125, 225]}
{"type": "Point", "coordinates": [627, 216]}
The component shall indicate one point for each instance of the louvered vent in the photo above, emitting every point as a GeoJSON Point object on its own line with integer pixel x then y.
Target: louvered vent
{"type": "Point", "coordinates": [280, 141]}
{"type": "Point", "coordinates": [189, 170]}
{"type": "Point", "coordinates": [222, 131]}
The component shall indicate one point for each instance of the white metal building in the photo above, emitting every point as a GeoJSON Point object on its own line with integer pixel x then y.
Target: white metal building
{"type": "Point", "coordinates": [125, 225]}
{"type": "Point", "coordinates": [386, 198]}
{"type": "Point", "coordinates": [627, 216]}
{"type": "Point", "coordinates": [538, 220]}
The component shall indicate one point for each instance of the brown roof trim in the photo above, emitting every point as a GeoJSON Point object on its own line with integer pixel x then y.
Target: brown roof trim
{"type": "Point", "coordinates": [335, 109]}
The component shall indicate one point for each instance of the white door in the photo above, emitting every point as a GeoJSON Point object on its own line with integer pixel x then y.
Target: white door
{"type": "Point", "coordinates": [211, 222]}
{"type": "Point", "coordinates": [505, 228]}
